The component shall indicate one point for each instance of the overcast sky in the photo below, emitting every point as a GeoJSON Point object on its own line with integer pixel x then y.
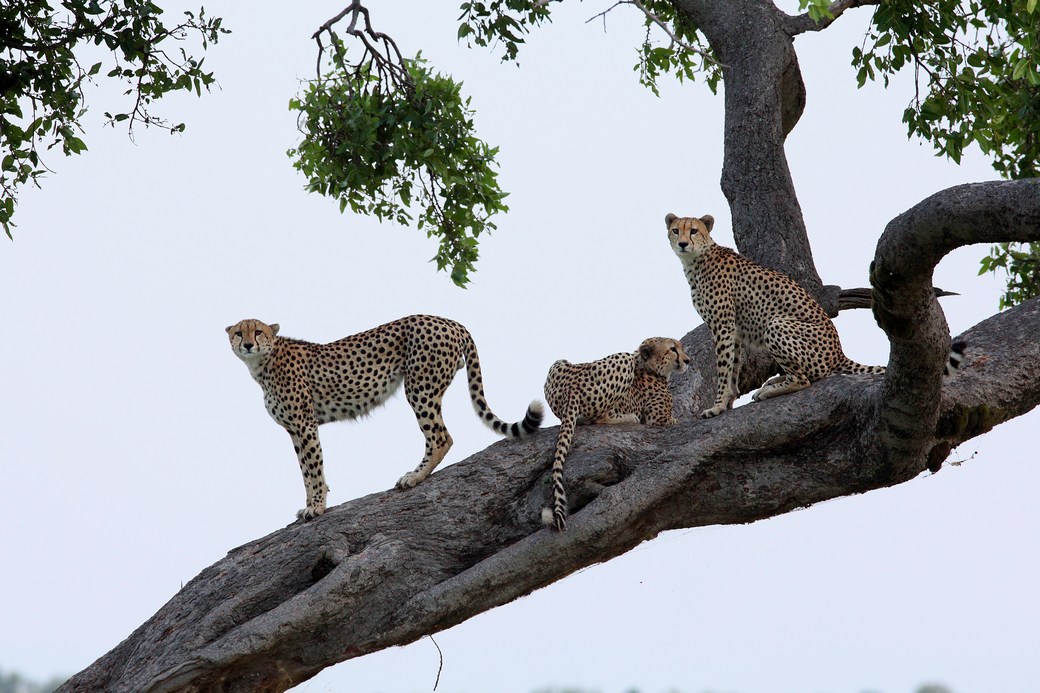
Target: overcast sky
{"type": "Point", "coordinates": [136, 450]}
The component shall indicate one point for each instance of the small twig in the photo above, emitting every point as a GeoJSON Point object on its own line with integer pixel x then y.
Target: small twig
{"type": "Point", "coordinates": [439, 666]}
{"type": "Point", "coordinates": [676, 41]}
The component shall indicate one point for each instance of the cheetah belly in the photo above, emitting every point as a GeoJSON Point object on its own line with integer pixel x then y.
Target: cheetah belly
{"type": "Point", "coordinates": [351, 400]}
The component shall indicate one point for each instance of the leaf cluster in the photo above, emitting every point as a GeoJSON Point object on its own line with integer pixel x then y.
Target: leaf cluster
{"type": "Point", "coordinates": [507, 22]}
{"type": "Point", "coordinates": [977, 75]}
{"type": "Point", "coordinates": [675, 58]}
{"type": "Point", "coordinates": [501, 22]}
{"type": "Point", "coordinates": [977, 80]}
{"type": "Point", "coordinates": [42, 79]}
{"type": "Point", "coordinates": [397, 143]}
{"type": "Point", "coordinates": [1021, 263]}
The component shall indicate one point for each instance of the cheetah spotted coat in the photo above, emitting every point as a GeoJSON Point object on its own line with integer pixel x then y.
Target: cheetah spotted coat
{"type": "Point", "coordinates": [748, 306]}
{"type": "Point", "coordinates": [621, 388]}
{"type": "Point", "coordinates": [306, 385]}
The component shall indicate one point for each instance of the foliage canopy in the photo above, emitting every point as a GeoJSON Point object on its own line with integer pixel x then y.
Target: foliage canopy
{"type": "Point", "coordinates": [386, 135]}
{"type": "Point", "coordinates": [42, 78]}
{"type": "Point", "coordinates": [976, 69]}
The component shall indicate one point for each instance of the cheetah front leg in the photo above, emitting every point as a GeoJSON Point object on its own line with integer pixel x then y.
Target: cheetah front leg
{"type": "Point", "coordinates": [727, 363]}
{"type": "Point", "coordinates": [308, 451]}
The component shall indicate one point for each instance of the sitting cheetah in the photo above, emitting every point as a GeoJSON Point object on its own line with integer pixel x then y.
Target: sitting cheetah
{"type": "Point", "coordinates": [749, 306]}
{"type": "Point", "coordinates": [621, 388]}
{"type": "Point", "coordinates": [306, 385]}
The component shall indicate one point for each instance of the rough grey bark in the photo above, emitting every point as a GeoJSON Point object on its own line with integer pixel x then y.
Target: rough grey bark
{"type": "Point", "coordinates": [764, 97]}
{"type": "Point", "coordinates": [392, 567]}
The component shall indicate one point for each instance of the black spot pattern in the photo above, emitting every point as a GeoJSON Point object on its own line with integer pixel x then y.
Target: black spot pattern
{"type": "Point", "coordinates": [748, 306]}
{"type": "Point", "coordinates": [306, 385]}
{"type": "Point", "coordinates": [621, 388]}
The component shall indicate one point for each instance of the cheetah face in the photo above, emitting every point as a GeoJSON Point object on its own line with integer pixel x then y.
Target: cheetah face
{"type": "Point", "coordinates": [663, 356]}
{"type": "Point", "coordinates": [251, 338]}
{"type": "Point", "coordinates": [689, 236]}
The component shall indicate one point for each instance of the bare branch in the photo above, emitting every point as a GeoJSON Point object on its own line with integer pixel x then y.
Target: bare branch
{"type": "Point", "coordinates": [380, 48]}
{"type": "Point", "coordinates": [799, 24]}
{"type": "Point", "coordinates": [675, 40]}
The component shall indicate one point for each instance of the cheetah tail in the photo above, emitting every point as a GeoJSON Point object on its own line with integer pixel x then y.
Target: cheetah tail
{"type": "Point", "coordinates": [556, 516]}
{"type": "Point", "coordinates": [953, 361]}
{"type": "Point", "coordinates": [850, 367]}
{"type": "Point", "coordinates": [956, 357]}
{"type": "Point", "coordinates": [532, 419]}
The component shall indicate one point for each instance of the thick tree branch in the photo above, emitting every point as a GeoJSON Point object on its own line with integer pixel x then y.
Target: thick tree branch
{"type": "Point", "coordinates": [392, 567]}
{"type": "Point", "coordinates": [906, 308]}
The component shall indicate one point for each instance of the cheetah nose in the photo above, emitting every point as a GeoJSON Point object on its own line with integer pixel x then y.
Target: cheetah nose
{"type": "Point", "coordinates": [683, 244]}
{"type": "Point", "coordinates": [247, 346]}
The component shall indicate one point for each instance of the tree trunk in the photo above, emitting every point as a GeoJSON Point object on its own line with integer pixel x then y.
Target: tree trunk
{"type": "Point", "coordinates": [392, 567]}
{"type": "Point", "coordinates": [764, 98]}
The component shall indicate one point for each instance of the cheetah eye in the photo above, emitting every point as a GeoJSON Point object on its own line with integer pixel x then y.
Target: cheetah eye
{"type": "Point", "coordinates": [238, 333]}
{"type": "Point", "coordinates": [258, 333]}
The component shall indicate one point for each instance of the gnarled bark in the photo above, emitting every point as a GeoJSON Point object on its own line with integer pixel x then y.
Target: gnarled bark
{"type": "Point", "coordinates": [392, 567]}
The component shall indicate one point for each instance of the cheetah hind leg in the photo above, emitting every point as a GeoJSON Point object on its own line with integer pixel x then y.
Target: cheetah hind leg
{"type": "Point", "coordinates": [424, 396]}
{"type": "Point", "coordinates": [790, 344]}
{"type": "Point", "coordinates": [427, 407]}
{"type": "Point", "coordinates": [438, 442]}
{"type": "Point", "coordinates": [781, 385]}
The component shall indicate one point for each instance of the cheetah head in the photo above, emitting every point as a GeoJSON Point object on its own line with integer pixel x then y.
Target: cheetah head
{"type": "Point", "coordinates": [663, 356]}
{"type": "Point", "coordinates": [689, 236]}
{"type": "Point", "coordinates": [251, 338]}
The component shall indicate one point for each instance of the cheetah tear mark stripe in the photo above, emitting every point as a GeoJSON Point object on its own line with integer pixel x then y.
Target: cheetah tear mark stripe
{"type": "Point", "coordinates": [532, 419]}
{"type": "Point", "coordinates": [556, 516]}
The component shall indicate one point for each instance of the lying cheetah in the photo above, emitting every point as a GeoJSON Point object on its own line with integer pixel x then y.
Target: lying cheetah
{"type": "Point", "coordinates": [621, 388]}
{"type": "Point", "coordinates": [306, 385]}
{"type": "Point", "coordinates": [749, 306]}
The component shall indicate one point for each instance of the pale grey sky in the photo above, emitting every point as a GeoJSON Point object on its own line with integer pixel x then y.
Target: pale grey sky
{"type": "Point", "coordinates": [136, 450]}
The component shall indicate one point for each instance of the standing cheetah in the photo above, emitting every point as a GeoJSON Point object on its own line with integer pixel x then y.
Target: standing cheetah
{"type": "Point", "coordinates": [748, 306]}
{"type": "Point", "coordinates": [306, 385]}
{"type": "Point", "coordinates": [621, 388]}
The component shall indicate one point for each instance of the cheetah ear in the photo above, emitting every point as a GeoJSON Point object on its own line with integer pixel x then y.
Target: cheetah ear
{"type": "Point", "coordinates": [274, 329]}
{"type": "Point", "coordinates": [228, 329]}
{"type": "Point", "coordinates": [646, 351]}
{"type": "Point", "coordinates": [708, 221]}
{"type": "Point", "coordinates": [669, 218]}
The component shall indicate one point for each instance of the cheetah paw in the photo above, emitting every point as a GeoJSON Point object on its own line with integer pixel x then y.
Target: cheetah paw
{"type": "Point", "coordinates": [409, 480]}
{"type": "Point", "coordinates": [309, 513]}
{"type": "Point", "coordinates": [714, 411]}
